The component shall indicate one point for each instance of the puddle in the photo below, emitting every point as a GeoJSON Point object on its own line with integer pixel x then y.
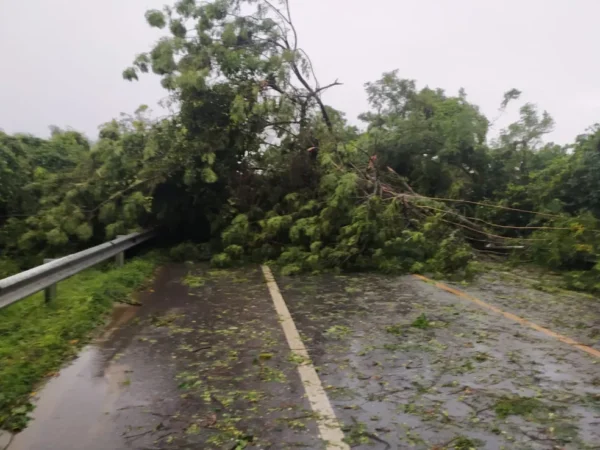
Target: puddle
{"type": "Point", "coordinates": [75, 406]}
{"type": "Point", "coordinates": [87, 386]}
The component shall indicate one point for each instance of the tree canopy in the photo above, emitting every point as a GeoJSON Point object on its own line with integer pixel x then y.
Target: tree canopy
{"type": "Point", "coordinates": [253, 162]}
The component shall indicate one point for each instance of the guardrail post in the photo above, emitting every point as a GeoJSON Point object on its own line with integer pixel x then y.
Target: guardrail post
{"type": "Point", "coordinates": [51, 291]}
{"type": "Point", "coordinates": [120, 257]}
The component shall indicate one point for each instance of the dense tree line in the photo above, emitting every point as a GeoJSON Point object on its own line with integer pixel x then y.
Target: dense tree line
{"type": "Point", "coordinates": [256, 164]}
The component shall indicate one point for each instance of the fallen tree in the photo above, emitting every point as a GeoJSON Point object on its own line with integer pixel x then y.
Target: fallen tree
{"type": "Point", "coordinates": [253, 160]}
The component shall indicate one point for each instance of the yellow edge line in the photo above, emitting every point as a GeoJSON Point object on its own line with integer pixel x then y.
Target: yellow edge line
{"type": "Point", "coordinates": [329, 427]}
{"type": "Point", "coordinates": [511, 316]}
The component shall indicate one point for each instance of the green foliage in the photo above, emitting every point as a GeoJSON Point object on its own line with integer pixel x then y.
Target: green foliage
{"type": "Point", "coordinates": [130, 74]}
{"type": "Point", "coordinates": [193, 281]}
{"type": "Point", "coordinates": [332, 229]}
{"type": "Point", "coordinates": [234, 251]}
{"type": "Point", "coordinates": [8, 267]}
{"type": "Point", "coordinates": [338, 331]}
{"type": "Point", "coordinates": [291, 269]}
{"type": "Point", "coordinates": [221, 260]}
{"type": "Point", "coordinates": [584, 280]}
{"type": "Point", "coordinates": [254, 157]}
{"type": "Point", "coordinates": [189, 251]}
{"type": "Point", "coordinates": [453, 255]}
{"type": "Point", "coordinates": [209, 176]}
{"type": "Point", "coordinates": [435, 140]}
{"type": "Point", "coordinates": [421, 322]}
{"type": "Point", "coordinates": [574, 244]}
{"type": "Point", "coordinates": [464, 443]}
{"type": "Point", "coordinates": [518, 406]}
{"type": "Point", "coordinates": [156, 18]}
{"type": "Point", "coordinates": [394, 329]}
{"type": "Point", "coordinates": [238, 233]}
{"type": "Point", "coordinates": [510, 95]}
{"type": "Point", "coordinates": [36, 338]}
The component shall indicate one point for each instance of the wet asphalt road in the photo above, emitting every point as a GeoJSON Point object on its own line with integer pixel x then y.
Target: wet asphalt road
{"type": "Point", "coordinates": [203, 364]}
{"type": "Point", "coordinates": [417, 367]}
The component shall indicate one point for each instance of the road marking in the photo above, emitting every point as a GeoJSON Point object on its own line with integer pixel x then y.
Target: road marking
{"type": "Point", "coordinates": [329, 427]}
{"type": "Point", "coordinates": [513, 317]}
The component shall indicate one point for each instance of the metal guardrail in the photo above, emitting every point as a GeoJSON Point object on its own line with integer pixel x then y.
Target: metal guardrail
{"type": "Point", "coordinates": [24, 284]}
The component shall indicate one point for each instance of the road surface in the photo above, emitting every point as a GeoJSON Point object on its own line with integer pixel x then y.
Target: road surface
{"type": "Point", "coordinates": [207, 362]}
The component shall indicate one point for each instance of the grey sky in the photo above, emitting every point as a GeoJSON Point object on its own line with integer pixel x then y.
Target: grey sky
{"type": "Point", "coordinates": [62, 59]}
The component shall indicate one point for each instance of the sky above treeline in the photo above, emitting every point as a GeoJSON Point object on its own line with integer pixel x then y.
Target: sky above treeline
{"type": "Point", "coordinates": [62, 59]}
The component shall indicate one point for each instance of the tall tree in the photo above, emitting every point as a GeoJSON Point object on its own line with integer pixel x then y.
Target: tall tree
{"type": "Point", "coordinates": [436, 141]}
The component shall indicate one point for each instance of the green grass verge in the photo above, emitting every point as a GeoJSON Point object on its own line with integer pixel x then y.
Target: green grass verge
{"type": "Point", "coordinates": [36, 339]}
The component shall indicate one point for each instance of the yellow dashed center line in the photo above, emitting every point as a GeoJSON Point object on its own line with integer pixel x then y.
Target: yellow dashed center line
{"type": "Point", "coordinates": [511, 316]}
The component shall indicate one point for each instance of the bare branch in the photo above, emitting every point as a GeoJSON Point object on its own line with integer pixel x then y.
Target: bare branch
{"type": "Point", "coordinates": [313, 94]}
{"type": "Point", "coordinates": [284, 93]}
{"type": "Point", "coordinates": [312, 67]}
{"type": "Point", "coordinates": [286, 18]}
{"type": "Point", "coordinates": [289, 14]}
{"type": "Point", "coordinates": [335, 83]}
{"type": "Point", "coordinates": [279, 13]}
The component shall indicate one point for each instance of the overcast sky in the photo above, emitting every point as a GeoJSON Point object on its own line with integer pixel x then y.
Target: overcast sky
{"type": "Point", "coordinates": [62, 59]}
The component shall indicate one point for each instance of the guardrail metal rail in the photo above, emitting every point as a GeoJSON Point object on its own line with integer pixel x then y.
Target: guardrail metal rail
{"type": "Point", "coordinates": [45, 277]}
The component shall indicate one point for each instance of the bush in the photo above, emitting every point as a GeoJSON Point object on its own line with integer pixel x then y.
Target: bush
{"type": "Point", "coordinates": [573, 246]}
{"type": "Point", "coordinates": [580, 280]}
{"type": "Point", "coordinates": [8, 267]}
{"type": "Point", "coordinates": [235, 251]}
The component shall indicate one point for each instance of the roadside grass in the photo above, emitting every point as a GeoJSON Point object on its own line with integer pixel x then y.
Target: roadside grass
{"type": "Point", "coordinates": [37, 338]}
